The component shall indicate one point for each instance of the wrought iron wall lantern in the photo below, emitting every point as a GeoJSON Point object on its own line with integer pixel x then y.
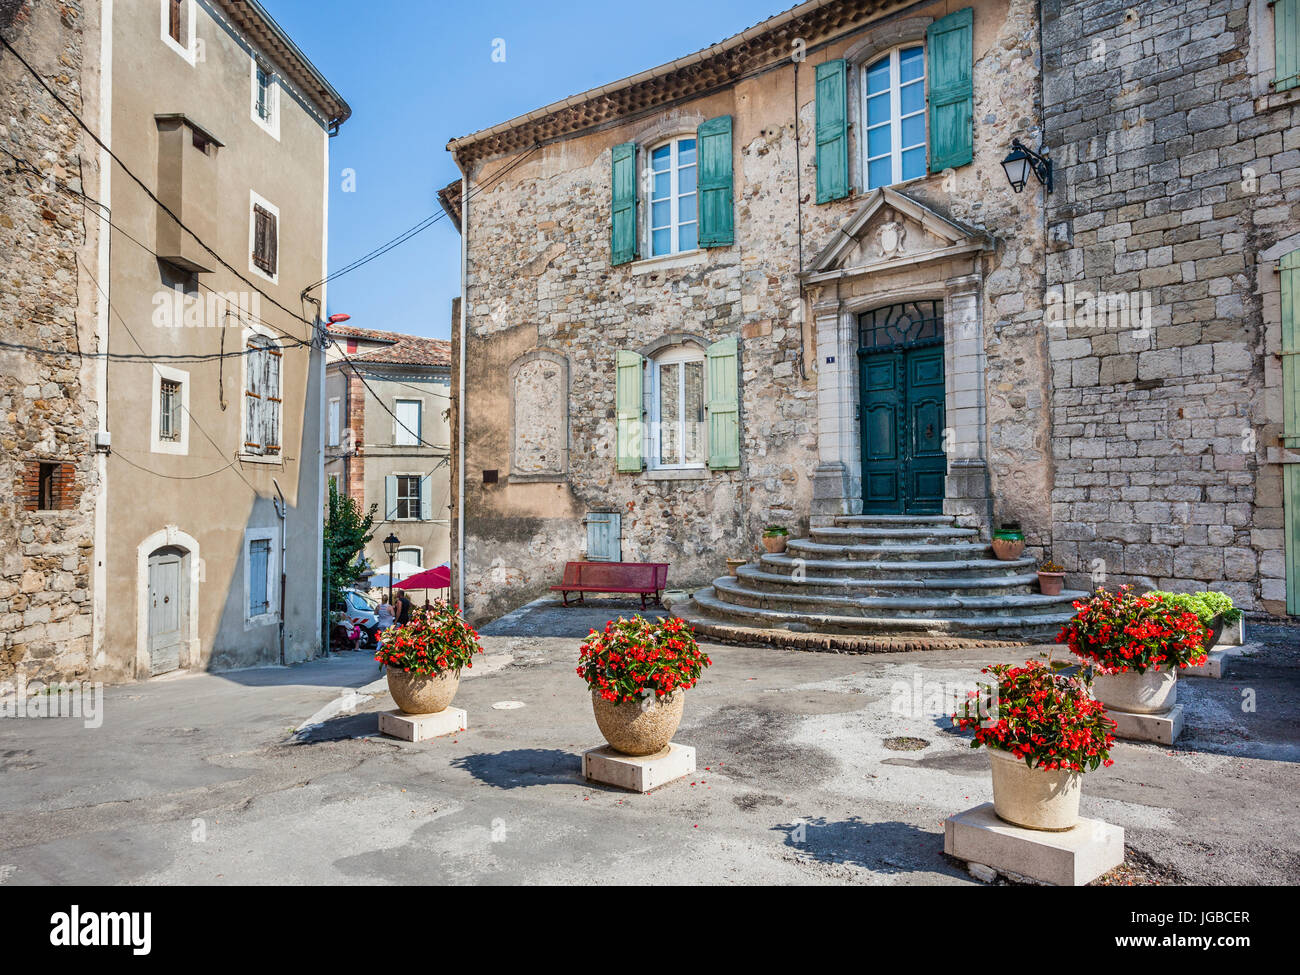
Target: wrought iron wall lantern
{"type": "Point", "coordinates": [1021, 161]}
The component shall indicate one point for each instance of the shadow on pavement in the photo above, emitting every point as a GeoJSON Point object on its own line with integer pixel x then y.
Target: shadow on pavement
{"type": "Point", "coordinates": [522, 767]}
{"type": "Point", "coordinates": [888, 847]}
{"type": "Point", "coordinates": [543, 619]}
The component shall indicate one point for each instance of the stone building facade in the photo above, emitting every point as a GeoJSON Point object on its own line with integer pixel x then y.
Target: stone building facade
{"type": "Point", "coordinates": [1176, 133]}
{"type": "Point", "coordinates": [49, 394]}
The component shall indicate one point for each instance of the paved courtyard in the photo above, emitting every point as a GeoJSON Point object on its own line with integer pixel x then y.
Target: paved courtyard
{"type": "Point", "coordinates": [278, 776]}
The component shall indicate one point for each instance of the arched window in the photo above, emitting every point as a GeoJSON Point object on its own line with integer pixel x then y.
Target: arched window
{"type": "Point", "coordinates": [677, 393]}
{"type": "Point", "coordinates": [673, 222]}
{"type": "Point", "coordinates": [893, 93]}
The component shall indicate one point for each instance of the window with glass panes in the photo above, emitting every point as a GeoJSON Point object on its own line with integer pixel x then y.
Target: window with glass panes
{"type": "Point", "coordinates": [169, 410]}
{"type": "Point", "coordinates": [408, 496]}
{"type": "Point", "coordinates": [264, 93]}
{"type": "Point", "coordinates": [677, 413]}
{"type": "Point", "coordinates": [894, 92]}
{"type": "Point", "coordinates": [673, 202]}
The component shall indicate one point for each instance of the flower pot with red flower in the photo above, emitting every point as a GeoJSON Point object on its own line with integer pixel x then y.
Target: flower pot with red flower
{"type": "Point", "coordinates": [424, 658]}
{"type": "Point", "coordinates": [639, 672]}
{"type": "Point", "coordinates": [1009, 541]}
{"type": "Point", "coordinates": [1051, 578]}
{"type": "Point", "coordinates": [1135, 645]}
{"type": "Point", "coordinates": [1043, 732]}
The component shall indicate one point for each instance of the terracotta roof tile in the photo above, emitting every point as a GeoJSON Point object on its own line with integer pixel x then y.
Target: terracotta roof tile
{"type": "Point", "coordinates": [410, 350]}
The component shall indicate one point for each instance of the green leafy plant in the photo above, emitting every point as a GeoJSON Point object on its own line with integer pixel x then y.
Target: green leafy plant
{"type": "Point", "coordinates": [771, 531]}
{"type": "Point", "coordinates": [347, 530]}
{"type": "Point", "coordinates": [434, 641]}
{"type": "Point", "coordinates": [632, 659]}
{"type": "Point", "coordinates": [1206, 605]}
{"type": "Point", "coordinates": [1048, 719]}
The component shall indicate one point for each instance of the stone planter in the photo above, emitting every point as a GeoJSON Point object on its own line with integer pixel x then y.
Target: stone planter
{"type": "Point", "coordinates": [1032, 797]}
{"type": "Point", "coordinates": [1051, 583]}
{"type": "Point", "coordinates": [633, 730]}
{"type": "Point", "coordinates": [422, 693]}
{"type": "Point", "coordinates": [734, 564]}
{"type": "Point", "coordinates": [774, 543]}
{"type": "Point", "coordinates": [1216, 632]}
{"type": "Point", "coordinates": [1154, 692]}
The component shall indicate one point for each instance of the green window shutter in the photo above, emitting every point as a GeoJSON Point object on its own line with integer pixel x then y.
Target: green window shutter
{"type": "Point", "coordinates": [622, 224]}
{"type": "Point", "coordinates": [1286, 43]}
{"type": "Point", "coordinates": [1291, 522]}
{"type": "Point", "coordinates": [628, 409]}
{"type": "Point", "coordinates": [714, 140]}
{"type": "Point", "coordinates": [426, 498]}
{"type": "Point", "coordinates": [390, 497]}
{"type": "Point", "coordinates": [1290, 271]}
{"type": "Point", "coordinates": [832, 131]}
{"type": "Point", "coordinates": [949, 44]}
{"type": "Point", "coordinates": [724, 405]}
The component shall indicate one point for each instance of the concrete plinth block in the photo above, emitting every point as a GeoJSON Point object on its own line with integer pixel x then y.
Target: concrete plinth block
{"type": "Point", "coordinates": [1067, 859]}
{"type": "Point", "coordinates": [640, 774]}
{"type": "Point", "coordinates": [1234, 634]}
{"type": "Point", "coordinates": [421, 727]}
{"type": "Point", "coordinates": [1163, 726]}
{"type": "Point", "coordinates": [1217, 662]}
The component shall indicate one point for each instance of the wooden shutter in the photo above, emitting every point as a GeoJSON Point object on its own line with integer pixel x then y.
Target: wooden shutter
{"type": "Point", "coordinates": [724, 405]}
{"type": "Point", "coordinates": [390, 497]}
{"type": "Point", "coordinates": [604, 536]}
{"type": "Point", "coordinates": [628, 407]}
{"type": "Point", "coordinates": [271, 407]}
{"type": "Point", "coordinates": [1290, 272]}
{"type": "Point", "coordinates": [1286, 44]}
{"type": "Point", "coordinates": [175, 25]}
{"type": "Point", "coordinates": [622, 227]}
{"type": "Point", "coordinates": [949, 44]}
{"type": "Point", "coordinates": [426, 497]}
{"type": "Point", "coordinates": [265, 239]}
{"type": "Point", "coordinates": [832, 131]}
{"type": "Point", "coordinates": [255, 377]}
{"type": "Point", "coordinates": [715, 186]}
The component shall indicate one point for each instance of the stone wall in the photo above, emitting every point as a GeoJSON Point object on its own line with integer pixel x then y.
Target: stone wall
{"type": "Point", "coordinates": [47, 414]}
{"type": "Point", "coordinates": [1176, 173]}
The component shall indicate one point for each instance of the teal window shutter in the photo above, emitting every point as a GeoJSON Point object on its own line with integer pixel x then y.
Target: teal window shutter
{"type": "Point", "coordinates": [390, 497]}
{"type": "Point", "coordinates": [426, 498]}
{"type": "Point", "coordinates": [1286, 44]}
{"type": "Point", "coordinates": [724, 404]}
{"type": "Point", "coordinates": [628, 408]}
{"type": "Point", "coordinates": [950, 47]}
{"type": "Point", "coordinates": [622, 224]}
{"type": "Point", "coordinates": [714, 140]}
{"type": "Point", "coordinates": [832, 131]}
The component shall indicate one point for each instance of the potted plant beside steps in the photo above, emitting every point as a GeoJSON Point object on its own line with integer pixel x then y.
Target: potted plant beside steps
{"type": "Point", "coordinates": [1009, 541]}
{"type": "Point", "coordinates": [775, 537]}
{"type": "Point", "coordinates": [423, 660]}
{"type": "Point", "coordinates": [1051, 578]}
{"type": "Point", "coordinates": [1135, 645]}
{"type": "Point", "coordinates": [639, 672]}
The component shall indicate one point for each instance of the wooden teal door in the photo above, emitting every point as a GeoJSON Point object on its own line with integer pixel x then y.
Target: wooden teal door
{"type": "Point", "coordinates": [901, 400]}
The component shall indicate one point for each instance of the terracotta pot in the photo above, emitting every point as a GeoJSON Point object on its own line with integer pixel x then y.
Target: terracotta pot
{"type": "Point", "coordinates": [1149, 693]}
{"type": "Point", "coordinates": [1008, 549]}
{"type": "Point", "coordinates": [774, 543]}
{"type": "Point", "coordinates": [1051, 583]}
{"type": "Point", "coordinates": [634, 730]}
{"type": "Point", "coordinates": [422, 693]}
{"type": "Point", "coordinates": [1046, 799]}
{"type": "Point", "coordinates": [734, 564]}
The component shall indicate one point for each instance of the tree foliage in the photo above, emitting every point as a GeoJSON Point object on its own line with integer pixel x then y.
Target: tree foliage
{"type": "Point", "coordinates": [347, 531]}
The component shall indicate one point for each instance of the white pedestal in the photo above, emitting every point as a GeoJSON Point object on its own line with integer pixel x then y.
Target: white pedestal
{"type": "Point", "coordinates": [640, 774]}
{"type": "Point", "coordinates": [421, 727]}
{"type": "Point", "coordinates": [1163, 726]}
{"type": "Point", "coordinates": [1069, 859]}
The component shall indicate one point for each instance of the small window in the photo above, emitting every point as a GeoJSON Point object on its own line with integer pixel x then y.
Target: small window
{"type": "Point", "coordinates": [893, 92]}
{"type": "Point", "coordinates": [415, 556]}
{"type": "Point", "coordinates": [406, 428]}
{"type": "Point", "coordinates": [262, 398]}
{"type": "Point", "coordinates": [175, 20]}
{"type": "Point", "coordinates": [259, 577]}
{"type": "Point", "coordinates": [265, 92]}
{"type": "Point", "coordinates": [678, 427]}
{"type": "Point", "coordinates": [408, 497]}
{"type": "Point", "coordinates": [169, 411]}
{"type": "Point", "coordinates": [673, 202]}
{"type": "Point", "coordinates": [178, 27]}
{"type": "Point", "coordinates": [46, 487]}
{"type": "Point", "coordinates": [265, 240]}
{"type": "Point", "coordinates": [334, 420]}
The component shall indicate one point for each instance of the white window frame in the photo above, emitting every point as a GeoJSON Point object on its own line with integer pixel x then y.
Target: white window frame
{"type": "Point", "coordinates": [896, 146]}
{"type": "Point", "coordinates": [272, 614]}
{"type": "Point", "coordinates": [245, 455]}
{"type": "Point", "coordinates": [400, 429]}
{"type": "Point", "coordinates": [256, 200]}
{"type": "Point", "coordinates": [188, 28]}
{"type": "Point", "coordinates": [181, 445]}
{"type": "Point", "coordinates": [673, 356]}
{"type": "Point", "coordinates": [419, 554]}
{"type": "Point", "coordinates": [419, 495]}
{"type": "Point", "coordinates": [270, 126]}
{"type": "Point", "coordinates": [673, 197]}
{"type": "Point", "coordinates": [334, 421]}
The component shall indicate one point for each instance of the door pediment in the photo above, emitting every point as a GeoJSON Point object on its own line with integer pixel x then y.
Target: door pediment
{"type": "Point", "coordinates": [891, 230]}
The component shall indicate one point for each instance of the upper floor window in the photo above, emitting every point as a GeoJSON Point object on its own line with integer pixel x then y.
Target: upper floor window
{"type": "Point", "coordinates": [406, 498]}
{"type": "Point", "coordinates": [406, 425]}
{"type": "Point", "coordinates": [334, 424]}
{"type": "Point", "coordinates": [171, 404]}
{"type": "Point", "coordinates": [262, 398]}
{"type": "Point", "coordinates": [893, 91]}
{"type": "Point", "coordinates": [673, 220]}
{"type": "Point", "coordinates": [266, 97]}
{"type": "Point", "coordinates": [264, 238]}
{"type": "Point", "coordinates": [678, 426]}
{"type": "Point", "coordinates": [178, 27]}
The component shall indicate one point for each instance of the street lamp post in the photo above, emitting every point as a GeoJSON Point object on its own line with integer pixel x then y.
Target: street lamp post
{"type": "Point", "coordinates": [390, 546]}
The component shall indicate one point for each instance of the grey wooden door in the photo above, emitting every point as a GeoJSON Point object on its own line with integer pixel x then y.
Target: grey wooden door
{"type": "Point", "coordinates": [168, 609]}
{"type": "Point", "coordinates": [604, 536]}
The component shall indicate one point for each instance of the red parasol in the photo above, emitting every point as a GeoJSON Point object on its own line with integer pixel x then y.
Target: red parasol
{"type": "Point", "coordinates": [436, 578]}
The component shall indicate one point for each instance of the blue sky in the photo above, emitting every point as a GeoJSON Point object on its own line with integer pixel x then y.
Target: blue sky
{"type": "Point", "coordinates": [418, 73]}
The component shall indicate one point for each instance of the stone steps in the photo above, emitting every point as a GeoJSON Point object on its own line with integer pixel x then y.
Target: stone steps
{"type": "Point", "coordinates": [904, 520]}
{"type": "Point", "coordinates": [818, 584]}
{"type": "Point", "coordinates": [892, 535]}
{"type": "Point", "coordinates": [923, 605]}
{"type": "Point", "coordinates": [784, 564]}
{"type": "Point", "coordinates": [903, 551]}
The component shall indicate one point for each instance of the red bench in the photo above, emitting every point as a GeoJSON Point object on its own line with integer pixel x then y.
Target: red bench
{"type": "Point", "coordinates": [646, 578]}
